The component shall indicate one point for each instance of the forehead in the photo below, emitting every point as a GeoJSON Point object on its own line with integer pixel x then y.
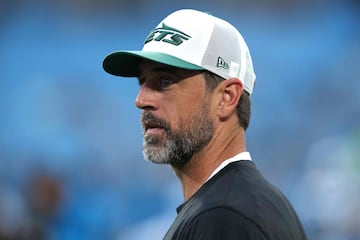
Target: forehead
{"type": "Point", "coordinates": [147, 67]}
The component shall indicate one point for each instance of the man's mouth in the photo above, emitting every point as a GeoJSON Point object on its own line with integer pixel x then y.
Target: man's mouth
{"type": "Point", "coordinates": [153, 125]}
{"type": "Point", "coordinates": [152, 128]}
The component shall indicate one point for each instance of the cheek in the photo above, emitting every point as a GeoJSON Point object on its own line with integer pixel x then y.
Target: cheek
{"type": "Point", "coordinates": [181, 107]}
{"type": "Point", "coordinates": [192, 112]}
{"type": "Point", "coordinates": [178, 115]}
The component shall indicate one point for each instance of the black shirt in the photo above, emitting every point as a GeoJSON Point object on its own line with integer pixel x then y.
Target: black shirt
{"type": "Point", "coordinates": [237, 203]}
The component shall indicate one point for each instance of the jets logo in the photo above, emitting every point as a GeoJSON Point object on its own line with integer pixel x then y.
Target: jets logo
{"type": "Point", "coordinates": [168, 35]}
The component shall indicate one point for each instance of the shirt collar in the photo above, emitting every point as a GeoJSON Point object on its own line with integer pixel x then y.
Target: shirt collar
{"type": "Point", "coordinates": [237, 157]}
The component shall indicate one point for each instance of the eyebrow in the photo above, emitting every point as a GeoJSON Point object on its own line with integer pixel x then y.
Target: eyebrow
{"type": "Point", "coordinates": [177, 72]}
{"type": "Point", "coordinates": [159, 69]}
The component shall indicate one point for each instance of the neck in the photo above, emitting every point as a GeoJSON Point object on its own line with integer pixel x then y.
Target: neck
{"type": "Point", "coordinates": [199, 168]}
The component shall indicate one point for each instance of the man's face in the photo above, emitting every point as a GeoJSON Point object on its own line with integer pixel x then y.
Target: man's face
{"type": "Point", "coordinates": [176, 113]}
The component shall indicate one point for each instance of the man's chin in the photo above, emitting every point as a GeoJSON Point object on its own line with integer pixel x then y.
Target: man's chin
{"type": "Point", "coordinates": [155, 160]}
{"type": "Point", "coordinates": [155, 154]}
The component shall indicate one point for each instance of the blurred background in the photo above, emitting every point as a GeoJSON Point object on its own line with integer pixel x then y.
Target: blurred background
{"type": "Point", "coordinates": [71, 166]}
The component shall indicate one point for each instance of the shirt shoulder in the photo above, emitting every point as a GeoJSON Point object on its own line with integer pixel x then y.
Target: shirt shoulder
{"type": "Point", "coordinates": [237, 197]}
{"type": "Point", "coordinates": [222, 223]}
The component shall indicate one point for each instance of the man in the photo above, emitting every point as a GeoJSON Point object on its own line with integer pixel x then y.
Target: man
{"type": "Point", "coordinates": [195, 75]}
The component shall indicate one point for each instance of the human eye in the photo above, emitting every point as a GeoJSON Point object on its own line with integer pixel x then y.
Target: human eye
{"type": "Point", "coordinates": [165, 82]}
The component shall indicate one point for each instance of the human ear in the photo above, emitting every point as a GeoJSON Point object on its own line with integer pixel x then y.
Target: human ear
{"type": "Point", "coordinates": [229, 92]}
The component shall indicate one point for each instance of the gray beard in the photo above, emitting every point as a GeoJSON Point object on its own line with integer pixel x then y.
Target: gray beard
{"type": "Point", "coordinates": [179, 147]}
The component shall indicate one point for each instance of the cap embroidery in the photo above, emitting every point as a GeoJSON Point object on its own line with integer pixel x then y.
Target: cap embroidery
{"type": "Point", "coordinates": [167, 34]}
{"type": "Point", "coordinates": [221, 63]}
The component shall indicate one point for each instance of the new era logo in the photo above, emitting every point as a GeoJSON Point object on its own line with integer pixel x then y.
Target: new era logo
{"type": "Point", "coordinates": [221, 63]}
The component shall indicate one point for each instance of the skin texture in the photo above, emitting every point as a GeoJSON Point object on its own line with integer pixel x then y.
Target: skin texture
{"type": "Point", "coordinates": [179, 115]}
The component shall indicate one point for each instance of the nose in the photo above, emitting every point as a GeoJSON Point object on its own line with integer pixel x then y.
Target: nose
{"type": "Point", "coordinates": [146, 98]}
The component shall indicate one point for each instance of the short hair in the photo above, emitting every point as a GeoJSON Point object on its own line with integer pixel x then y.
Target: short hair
{"type": "Point", "coordinates": [243, 107]}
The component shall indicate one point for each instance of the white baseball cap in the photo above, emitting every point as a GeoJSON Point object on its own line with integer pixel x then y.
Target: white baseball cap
{"type": "Point", "coordinates": [193, 40]}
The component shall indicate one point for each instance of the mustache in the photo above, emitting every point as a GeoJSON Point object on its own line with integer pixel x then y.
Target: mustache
{"type": "Point", "coordinates": [149, 120]}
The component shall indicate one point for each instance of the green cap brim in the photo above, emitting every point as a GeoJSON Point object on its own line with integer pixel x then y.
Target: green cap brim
{"type": "Point", "coordinates": [125, 63]}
